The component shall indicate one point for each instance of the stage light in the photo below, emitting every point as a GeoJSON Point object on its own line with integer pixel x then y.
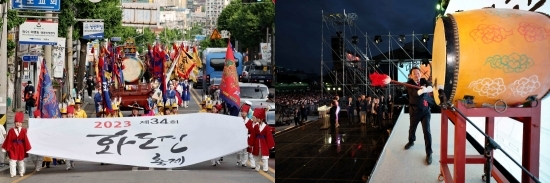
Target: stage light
{"type": "Point", "coordinates": [339, 33]}
{"type": "Point", "coordinates": [377, 39]}
{"type": "Point", "coordinates": [438, 7]}
{"type": "Point", "coordinates": [354, 39]}
{"type": "Point", "coordinates": [401, 38]}
{"type": "Point", "coordinates": [425, 62]}
{"type": "Point", "coordinates": [425, 38]}
{"type": "Point", "coordinates": [339, 89]}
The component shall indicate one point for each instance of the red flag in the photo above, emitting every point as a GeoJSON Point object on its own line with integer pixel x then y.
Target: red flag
{"type": "Point", "coordinates": [229, 86]}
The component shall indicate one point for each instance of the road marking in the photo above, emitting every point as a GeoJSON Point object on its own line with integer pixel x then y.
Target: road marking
{"type": "Point", "coordinates": [271, 178]}
{"type": "Point", "coordinates": [23, 178]}
{"type": "Point", "coordinates": [194, 94]}
{"type": "Point", "coordinates": [271, 170]}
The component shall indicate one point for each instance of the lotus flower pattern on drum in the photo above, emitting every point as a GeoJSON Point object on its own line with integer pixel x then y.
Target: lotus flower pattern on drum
{"type": "Point", "coordinates": [513, 63]}
{"type": "Point", "coordinates": [488, 87]}
{"type": "Point", "coordinates": [490, 33]}
{"type": "Point", "coordinates": [525, 86]}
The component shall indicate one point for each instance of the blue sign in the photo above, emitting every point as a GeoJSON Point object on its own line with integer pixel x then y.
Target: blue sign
{"type": "Point", "coordinates": [44, 5]}
{"type": "Point", "coordinates": [30, 58]}
{"type": "Point", "coordinates": [92, 30]}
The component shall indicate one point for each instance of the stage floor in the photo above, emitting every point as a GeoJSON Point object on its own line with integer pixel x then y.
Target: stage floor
{"type": "Point", "coordinates": [308, 154]}
{"type": "Point", "coordinates": [399, 165]}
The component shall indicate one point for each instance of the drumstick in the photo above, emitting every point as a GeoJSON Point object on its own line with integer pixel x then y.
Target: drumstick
{"type": "Point", "coordinates": [382, 80]}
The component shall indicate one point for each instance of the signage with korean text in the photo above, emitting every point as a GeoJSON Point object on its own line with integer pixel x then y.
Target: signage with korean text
{"type": "Point", "coordinates": [149, 141]}
{"type": "Point", "coordinates": [43, 5]}
{"type": "Point", "coordinates": [92, 30]}
{"type": "Point", "coordinates": [38, 32]}
{"type": "Point", "coordinates": [58, 54]}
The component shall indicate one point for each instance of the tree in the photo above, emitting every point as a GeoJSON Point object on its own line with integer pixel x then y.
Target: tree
{"type": "Point", "coordinates": [13, 21]}
{"type": "Point", "coordinates": [168, 36]}
{"type": "Point", "coordinates": [247, 22]}
{"type": "Point", "coordinates": [108, 10]}
{"type": "Point", "coordinates": [206, 43]}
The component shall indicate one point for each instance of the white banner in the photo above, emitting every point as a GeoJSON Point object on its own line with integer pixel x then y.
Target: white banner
{"type": "Point", "coordinates": [152, 141]}
{"type": "Point", "coordinates": [266, 51]}
{"type": "Point", "coordinates": [35, 32]}
{"type": "Point", "coordinates": [58, 54]}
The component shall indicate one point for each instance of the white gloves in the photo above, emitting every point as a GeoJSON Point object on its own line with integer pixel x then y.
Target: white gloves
{"type": "Point", "coordinates": [440, 87]}
{"type": "Point", "coordinates": [430, 89]}
{"type": "Point", "coordinates": [422, 91]}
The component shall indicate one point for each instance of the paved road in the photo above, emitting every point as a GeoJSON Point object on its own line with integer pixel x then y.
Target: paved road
{"type": "Point", "coordinates": [92, 172]}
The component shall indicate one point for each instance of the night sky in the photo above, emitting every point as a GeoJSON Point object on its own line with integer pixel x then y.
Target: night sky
{"type": "Point", "coordinates": [298, 27]}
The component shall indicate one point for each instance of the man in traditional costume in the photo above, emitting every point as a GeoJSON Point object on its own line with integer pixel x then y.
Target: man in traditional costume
{"type": "Point", "coordinates": [17, 145]}
{"type": "Point", "coordinates": [135, 110]}
{"type": "Point", "coordinates": [98, 99]}
{"type": "Point", "coordinates": [242, 156]}
{"type": "Point", "coordinates": [116, 108]}
{"type": "Point", "coordinates": [174, 109]}
{"type": "Point", "coordinates": [150, 103]}
{"type": "Point", "coordinates": [171, 95]}
{"type": "Point", "coordinates": [159, 110]}
{"type": "Point", "coordinates": [262, 140]}
{"type": "Point", "coordinates": [203, 107]}
{"type": "Point", "coordinates": [78, 111]}
{"type": "Point", "coordinates": [185, 94]}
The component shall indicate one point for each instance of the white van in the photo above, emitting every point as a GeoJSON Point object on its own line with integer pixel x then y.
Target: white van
{"type": "Point", "coordinates": [257, 94]}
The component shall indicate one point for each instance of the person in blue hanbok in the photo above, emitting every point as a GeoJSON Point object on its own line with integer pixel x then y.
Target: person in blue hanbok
{"type": "Point", "coordinates": [171, 95]}
{"type": "Point", "coordinates": [185, 94]}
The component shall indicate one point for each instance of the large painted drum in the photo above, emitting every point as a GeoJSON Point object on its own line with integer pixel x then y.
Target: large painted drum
{"type": "Point", "coordinates": [133, 69]}
{"type": "Point", "coordinates": [492, 54]}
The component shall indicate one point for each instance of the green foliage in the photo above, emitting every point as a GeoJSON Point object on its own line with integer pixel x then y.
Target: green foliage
{"type": "Point", "coordinates": [247, 23]}
{"type": "Point", "coordinates": [195, 30]}
{"type": "Point", "coordinates": [146, 37]}
{"type": "Point", "coordinates": [107, 10]}
{"type": "Point", "coordinates": [11, 48]}
{"type": "Point", "coordinates": [207, 43]}
{"type": "Point", "coordinates": [14, 20]}
{"type": "Point", "coordinates": [168, 36]}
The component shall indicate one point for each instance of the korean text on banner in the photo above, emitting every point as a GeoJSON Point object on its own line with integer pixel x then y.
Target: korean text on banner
{"type": "Point", "coordinates": [152, 141]}
{"type": "Point", "coordinates": [40, 33]}
{"type": "Point", "coordinates": [59, 58]}
{"type": "Point", "coordinates": [93, 30]}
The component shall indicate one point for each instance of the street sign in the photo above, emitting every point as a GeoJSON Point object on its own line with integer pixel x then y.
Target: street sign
{"type": "Point", "coordinates": [225, 34]}
{"type": "Point", "coordinates": [92, 30]}
{"type": "Point", "coordinates": [43, 5]}
{"type": "Point", "coordinates": [38, 32]}
{"type": "Point", "coordinates": [215, 35]}
{"type": "Point", "coordinates": [30, 58]}
{"type": "Point", "coordinates": [116, 39]}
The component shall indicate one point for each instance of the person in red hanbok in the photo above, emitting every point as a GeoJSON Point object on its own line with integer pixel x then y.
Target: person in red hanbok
{"type": "Point", "coordinates": [245, 154]}
{"type": "Point", "coordinates": [262, 139]}
{"type": "Point", "coordinates": [17, 144]}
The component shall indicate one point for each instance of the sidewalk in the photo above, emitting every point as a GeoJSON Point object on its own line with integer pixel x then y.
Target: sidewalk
{"type": "Point", "coordinates": [9, 124]}
{"type": "Point", "coordinates": [309, 120]}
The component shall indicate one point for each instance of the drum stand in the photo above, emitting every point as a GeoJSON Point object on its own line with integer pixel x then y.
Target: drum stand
{"type": "Point", "coordinates": [529, 116]}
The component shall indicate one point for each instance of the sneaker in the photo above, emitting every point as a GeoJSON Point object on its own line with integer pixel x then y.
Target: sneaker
{"type": "Point", "coordinates": [409, 145]}
{"type": "Point", "coordinates": [68, 168]}
{"type": "Point", "coordinates": [12, 176]}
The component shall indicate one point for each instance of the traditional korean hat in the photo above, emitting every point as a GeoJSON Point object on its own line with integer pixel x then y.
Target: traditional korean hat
{"type": "Point", "coordinates": [77, 101]}
{"type": "Point", "coordinates": [36, 113]}
{"type": "Point", "coordinates": [19, 117]}
{"type": "Point", "coordinates": [135, 106]}
{"type": "Point", "coordinates": [114, 105]}
{"type": "Point", "coordinates": [70, 110]}
{"type": "Point", "coordinates": [160, 104]}
{"type": "Point", "coordinates": [174, 105]}
{"type": "Point", "coordinates": [260, 113]}
{"type": "Point", "coordinates": [209, 106]}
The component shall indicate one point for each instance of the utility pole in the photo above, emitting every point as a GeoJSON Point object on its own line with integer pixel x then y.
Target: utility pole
{"type": "Point", "coordinates": [48, 50]}
{"type": "Point", "coordinates": [4, 62]}
{"type": "Point", "coordinates": [69, 58]}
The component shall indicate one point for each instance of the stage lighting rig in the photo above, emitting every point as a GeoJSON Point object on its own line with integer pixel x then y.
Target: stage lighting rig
{"type": "Point", "coordinates": [377, 39]}
{"type": "Point", "coordinates": [402, 38]}
{"type": "Point", "coordinates": [425, 38]}
{"type": "Point", "coordinates": [339, 33]}
{"type": "Point", "coordinates": [354, 39]}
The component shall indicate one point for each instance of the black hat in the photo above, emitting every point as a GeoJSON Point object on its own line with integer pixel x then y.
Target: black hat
{"type": "Point", "coordinates": [29, 82]}
{"type": "Point", "coordinates": [135, 106]}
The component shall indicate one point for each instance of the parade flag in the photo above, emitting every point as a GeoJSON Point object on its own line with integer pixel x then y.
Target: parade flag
{"type": "Point", "coordinates": [105, 88]}
{"type": "Point", "coordinates": [48, 103]}
{"type": "Point", "coordinates": [229, 86]}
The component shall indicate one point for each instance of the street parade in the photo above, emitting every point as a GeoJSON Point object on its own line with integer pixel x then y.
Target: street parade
{"type": "Point", "coordinates": [154, 100]}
